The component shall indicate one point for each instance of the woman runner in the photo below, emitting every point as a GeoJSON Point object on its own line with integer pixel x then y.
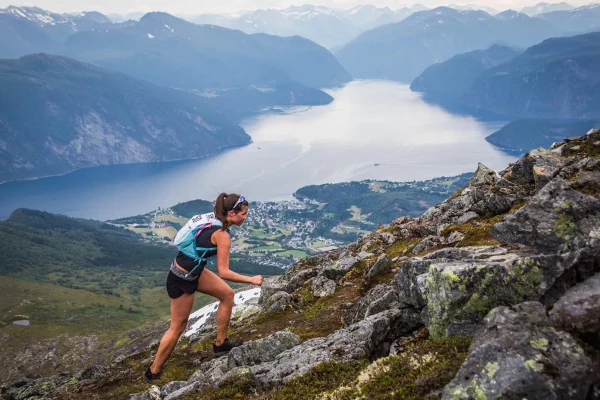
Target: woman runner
{"type": "Point", "coordinates": [230, 209]}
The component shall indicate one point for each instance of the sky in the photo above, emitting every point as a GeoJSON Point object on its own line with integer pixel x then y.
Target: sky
{"type": "Point", "coordinates": [232, 6]}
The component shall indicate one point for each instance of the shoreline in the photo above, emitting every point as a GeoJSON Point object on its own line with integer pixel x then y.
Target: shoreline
{"type": "Point", "coordinates": [224, 149]}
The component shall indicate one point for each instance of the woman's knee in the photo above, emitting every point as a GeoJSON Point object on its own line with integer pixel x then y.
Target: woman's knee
{"type": "Point", "coordinates": [179, 325]}
{"type": "Point", "coordinates": [228, 296]}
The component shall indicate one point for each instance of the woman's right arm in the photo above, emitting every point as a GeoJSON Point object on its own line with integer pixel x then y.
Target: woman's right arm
{"type": "Point", "coordinates": [223, 242]}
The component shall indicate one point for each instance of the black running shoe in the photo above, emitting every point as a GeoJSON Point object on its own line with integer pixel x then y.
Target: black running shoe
{"type": "Point", "coordinates": [150, 377]}
{"type": "Point", "coordinates": [225, 347]}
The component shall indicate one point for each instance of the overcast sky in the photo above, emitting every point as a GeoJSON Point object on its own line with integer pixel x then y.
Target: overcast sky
{"type": "Point", "coordinates": [230, 6]}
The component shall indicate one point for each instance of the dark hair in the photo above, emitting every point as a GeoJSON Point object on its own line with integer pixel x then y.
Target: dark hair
{"type": "Point", "coordinates": [225, 203]}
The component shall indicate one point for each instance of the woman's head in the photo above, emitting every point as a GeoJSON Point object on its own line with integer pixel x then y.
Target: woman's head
{"type": "Point", "coordinates": [231, 209]}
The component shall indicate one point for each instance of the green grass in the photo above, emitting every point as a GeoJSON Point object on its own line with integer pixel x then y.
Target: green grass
{"type": "Point", "coordinates": [294, 253]}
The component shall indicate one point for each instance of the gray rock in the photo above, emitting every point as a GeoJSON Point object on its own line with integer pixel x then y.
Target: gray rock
{"type": "Point", "coordinates": [366, 339]}
{"type": "Point", "coordinates": [484, 177]}
{"type": "Point", "coordinates": [336, 269]}
{"type": "Point", "coordinates": [378, 299]}
{"type": "Point", "coordinates": [557, 218]}
{"type": "Point", "coordinates": [212, 373]}
{"type": "Point", "coordinates": [172, 387]}
{"type": "Point", "coordinates": [382, 265]}
{"type": "Point", "coordinates": [466, 217]}
{"type": "Point", "coordinates": [578, 311]}
{"type": "Point", "coordinates": [454, 237]}
{"type": "Point", "coordinates": [536, 168]}
{"type": "Point", "coordinates": [290, 281]}
{"type": "Point", "coordinates": [151, 394]}
{"type": "Point", "coordinates": [519, 355]}
{"type": "Point", "coordinates": [426, 244]}
{"type": "Point", "coordinates": [410, 281]}
{"type": "Point", "coordinates": [278, 301]}
{"type": "Point", "coordinates": [322, 286]}
{"type": "Point", "coordinates": [262, 350]}
{"type": "Point", "coordinates": [363, 254]}
{"type": "Point", "coordinates": [190, 388]}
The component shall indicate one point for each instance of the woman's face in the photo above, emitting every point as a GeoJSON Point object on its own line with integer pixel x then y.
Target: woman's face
{"type": "Point", "coordinates": [238, 217]}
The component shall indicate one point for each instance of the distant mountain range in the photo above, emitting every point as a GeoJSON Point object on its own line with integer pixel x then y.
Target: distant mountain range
{"type": "Point", "coordinates": [239, 73]}
{"type": "Point", "coordinates": [450, 79]}
{"type": "Point", "coordinates": [326, 26]}
{"type": "Point", "coordinates": [25, 30]}
{"type": "Point", "coordinates": [58, 115]}
{"type": "Point", "coordinates": [403, 50]}
{"type": "Point", "coordinates": [579, 20]}
{"type": "Point", "coordinates": [544, 7]}
{"type": "Point", "coordinates": [558, 78]}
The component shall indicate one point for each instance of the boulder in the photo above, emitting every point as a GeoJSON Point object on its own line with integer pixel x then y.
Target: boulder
{"type": "Point", "coordinates": [322, 286]}
{"type": "Point", "coordinates": [517, 355]}
{"type": "Point", "coordinates": [556, 219]}
{"type": "Point", "coordinates": [376, 300]}
{"type": "Point", "coordinates": [578, 311]}
{"type": "Point", "coordinates": [278, 301]}
{"type": "Point", "coordinates": [172, 387]}
{"type": "Point", "coordinates": [382, 265]}
{"type": "Point", "coordinates": [336, 269]}
{"type": "Point", "coordinates": [212, 373]}
{"type": "Point", "coordinates": [182, 391]}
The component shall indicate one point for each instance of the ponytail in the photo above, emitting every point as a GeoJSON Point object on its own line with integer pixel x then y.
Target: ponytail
{"type": "Point", "coordinates": [224, 204]}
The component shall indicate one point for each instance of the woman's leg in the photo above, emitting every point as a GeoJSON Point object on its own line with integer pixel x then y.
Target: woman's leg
{"type": "Point", "coordinates": [181, 308]}
{"type": "Point", "coordinates": [210, 284]}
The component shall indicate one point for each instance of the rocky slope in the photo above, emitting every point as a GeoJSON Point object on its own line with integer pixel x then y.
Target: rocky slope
{"type": "Point", "coordinates": [509, 264]}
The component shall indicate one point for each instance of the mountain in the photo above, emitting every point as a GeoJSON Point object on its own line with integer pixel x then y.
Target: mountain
{"type": "Point", "coordinates": [328, 27]}
{"type": "Point", "coordinates": [579, 20]}
{"type": "Point", "coordinates": [473, 7]}
{"type": "Point", "coordinates": [255, 70]}
{"type": "Point", "coordinates": [38, 30]}
{"type": "Point", "coordinates": [401, 51]}
{"type": "Point", "coordinates": [320, 24]}
{"type": "Point", "coordinates": [544, 7]}
{"type": "Point", "coordinates": [521, 136]}
{"type": "Point", "coordinates": [492, 293]}
{"type": "Point", "coordinates": [84, 116]}
{"type": "Point", "coordinates": [558, 78]}
{"type": "Point", "coordinates": [368, 16]}
{"type": "Point", "coordinates": [450, 79]}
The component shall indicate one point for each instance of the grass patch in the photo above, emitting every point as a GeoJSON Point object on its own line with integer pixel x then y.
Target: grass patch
{"type": "Point", "coordinates": [423, 369]}
{"type": "Point", "coordinates": [477, 232]}
{"type": "Point", "coordinates": [402, 248]}
{"type": "Point", "coordinates": [293, 253]}
{"type": "Point", "coordinates": [324, 377]}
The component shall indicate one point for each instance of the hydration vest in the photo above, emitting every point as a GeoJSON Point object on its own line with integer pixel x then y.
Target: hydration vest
{"type": "Point", "coordinates": [185, 240]}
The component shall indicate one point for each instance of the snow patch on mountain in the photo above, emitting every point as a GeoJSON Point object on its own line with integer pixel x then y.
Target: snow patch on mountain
{"type": "Point", "coordinates": [241, 300]}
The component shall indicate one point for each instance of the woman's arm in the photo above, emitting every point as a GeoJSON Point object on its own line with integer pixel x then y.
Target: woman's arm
{"type": "Point", "coordinates": [223, 242]}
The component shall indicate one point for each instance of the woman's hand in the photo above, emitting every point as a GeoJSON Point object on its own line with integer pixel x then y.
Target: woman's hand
{"type": "Point", "coordinates": [256, 280]}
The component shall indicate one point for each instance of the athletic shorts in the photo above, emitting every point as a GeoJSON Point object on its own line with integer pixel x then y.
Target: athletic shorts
{"type": "Point", "coordinates": [177, 286]}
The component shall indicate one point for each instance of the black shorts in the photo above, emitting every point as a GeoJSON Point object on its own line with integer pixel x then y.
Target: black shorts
{"type": "Point", "coordinates": [177, 286]}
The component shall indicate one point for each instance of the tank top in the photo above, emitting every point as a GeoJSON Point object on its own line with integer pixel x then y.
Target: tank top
{"type": "Point", "coordinates": [203, 240]}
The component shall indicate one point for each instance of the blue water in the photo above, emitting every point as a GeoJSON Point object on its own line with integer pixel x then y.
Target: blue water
{"type": "Point", "coordinates": [369, 122]}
